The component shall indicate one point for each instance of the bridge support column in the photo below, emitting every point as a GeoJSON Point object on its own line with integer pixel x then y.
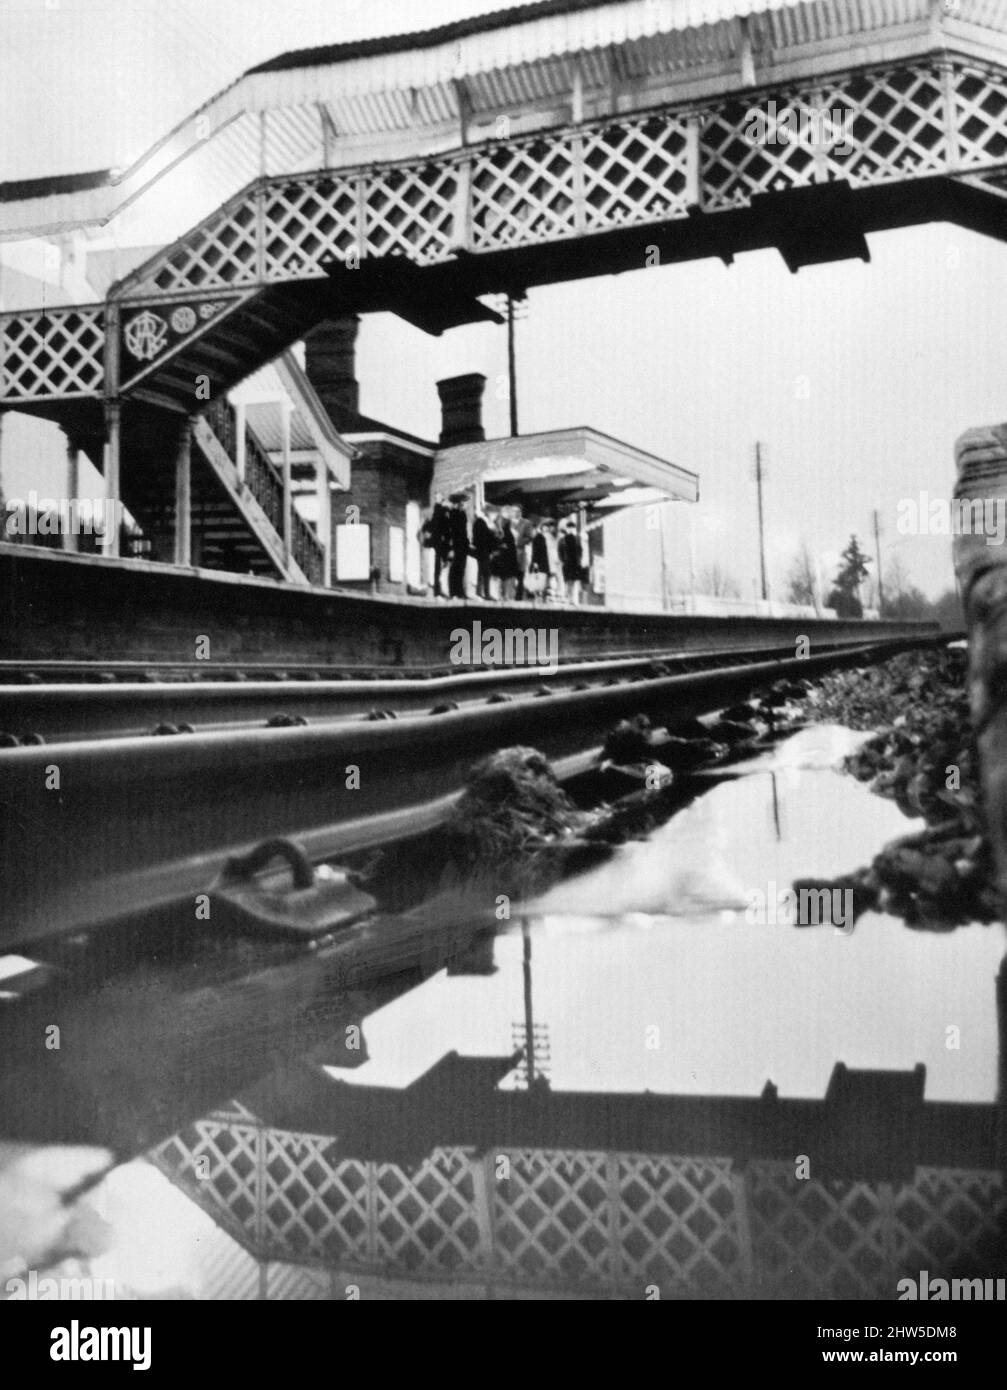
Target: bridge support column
{"type": "Point", "coordinates": [183, 495]}
{"type": "Point", "coordinates": [239, 439]}
{"type": "Point", "coordinates": [288, 500]}
{"type": "Point", "coordinates": [70, 539]}
{"type": "Point", "coordinates": [324, 519]}
{"type": "Point", "coordinates": [113, 422]}
{"type": "Point", "coordinates": [693, 174]}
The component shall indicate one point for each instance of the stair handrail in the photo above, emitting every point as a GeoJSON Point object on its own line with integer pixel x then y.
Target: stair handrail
{"type": "Point", "coordinates": [265, 482]}
{"type": "Point", "coordinates": [221, 417]}
{"type": "Point", "coordinates": [307, 548]}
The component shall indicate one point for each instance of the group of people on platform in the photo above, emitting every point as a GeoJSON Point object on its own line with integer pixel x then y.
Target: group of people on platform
{"type": "Point", "coordinates": [516, 557]}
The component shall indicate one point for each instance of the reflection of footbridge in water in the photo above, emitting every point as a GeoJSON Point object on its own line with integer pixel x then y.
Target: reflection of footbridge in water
{"type": "Point", "coordinates": [594, 1195]}
{"type": "Point", "coordinates": [455, 1182]}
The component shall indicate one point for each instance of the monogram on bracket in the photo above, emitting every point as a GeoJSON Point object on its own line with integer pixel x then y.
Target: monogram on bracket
{"type": "Point", "coordinates": [145, 335]}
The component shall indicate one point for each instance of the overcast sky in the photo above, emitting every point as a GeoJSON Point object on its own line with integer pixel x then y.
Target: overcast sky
{"type": "Point", "coordinates": [857, 378]}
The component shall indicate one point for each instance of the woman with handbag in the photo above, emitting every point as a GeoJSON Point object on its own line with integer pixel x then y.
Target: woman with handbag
{"type": "Point", "coordinates": [539, 570]}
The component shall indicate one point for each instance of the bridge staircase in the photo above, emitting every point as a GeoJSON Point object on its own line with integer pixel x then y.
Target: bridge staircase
{"type": "Point", "coordinates": [236, 501]}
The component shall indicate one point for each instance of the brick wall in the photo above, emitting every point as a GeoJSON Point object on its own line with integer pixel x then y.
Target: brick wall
{"type": "Point", "coordinates": [382, 480]}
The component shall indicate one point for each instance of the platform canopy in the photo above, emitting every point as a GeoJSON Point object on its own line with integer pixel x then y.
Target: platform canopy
{"type": "Point", "coordinates": [560, 469]}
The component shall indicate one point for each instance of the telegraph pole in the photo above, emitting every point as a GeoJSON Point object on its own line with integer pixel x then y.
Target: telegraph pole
{"type": "Point", "coordinates": [511, 366]}
{"type": "Point", "coordinates": [877, 556]}
{"type": "Point", "coordinates": [511, 305]}
{"type": "Point", "coordinates": [762, 533]}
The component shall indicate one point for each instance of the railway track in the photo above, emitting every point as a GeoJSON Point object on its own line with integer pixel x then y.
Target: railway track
{"type": "Point", "coordinates": [102, 829]}
{"type": "Point", "coordinates": [169, 1015]}
{"type": "Point", "coordinates": [63, 711]}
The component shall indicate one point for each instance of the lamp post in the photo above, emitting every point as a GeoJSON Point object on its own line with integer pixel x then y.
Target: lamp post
{"type": "Point", "coordinates": [759, 475]}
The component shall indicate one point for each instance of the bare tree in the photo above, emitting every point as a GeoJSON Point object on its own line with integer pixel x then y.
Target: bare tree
{"type": "Point", "coordinates": [948, 611]}
{"type": "Point", "coordinates": [802, 579]}
{"type": "Point", "coordinates": [717, 582]}
{"type": "Point", "coordinates": [896, 579]}
{"type": "Point", "coordinates": [902, 597]}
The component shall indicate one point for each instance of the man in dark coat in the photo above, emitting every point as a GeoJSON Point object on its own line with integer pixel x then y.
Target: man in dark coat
{"type": "Point", "coordinates": [571, 561]}
{"type": "Point", "coordinates": [458, 531]}
{"type": "Point", "coordinates": [484, 542]}
{"type": "Point", "coordinates": [504, 561]}
{"type": "Point", "coordinates": [435, 536]}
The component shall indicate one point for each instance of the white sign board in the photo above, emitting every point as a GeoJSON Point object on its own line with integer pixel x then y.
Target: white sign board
{"type": "Point", "coordinates": [353, 551]}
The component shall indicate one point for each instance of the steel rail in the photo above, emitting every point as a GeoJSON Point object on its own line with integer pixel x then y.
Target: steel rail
{"type": "Point", "coordinates": [369, 638]}
{"type": "Point", "coordinates": [93, 831]}
{"type": "Point", "coordinates": [61, 713]}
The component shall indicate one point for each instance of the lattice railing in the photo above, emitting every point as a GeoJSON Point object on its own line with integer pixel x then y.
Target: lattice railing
{"type": "Point", "coordinates": [524, 192]}
{"type": "Point", "coordinates": [734, 168]}
{"type": "Point", "coordinates": [315, 1208]}
{"type": "Point", "coordinates": [680, 1225]}
{"type": "Point", "coordinates": [551, 1218]}
{"type": "Point", "coordinates": [946, 1213]}
{"type": "Point", "coordinates": [219, 1163]}
{"type": "Point", "coordinates": [581, 1220]}
{"type": "Point", "coordinates": [426, 1221]}
{"type": "Point", "coordinates": [52, 353]}
{"type": "Point", "coordinates": [409, 211]}
{"type": "Point", "coordinates": [980, 116]}
{"type": "Point", "coordinates": [308, 221]}
{"type": "Point", "coordinates": [899, 123]}
{"type": "Point", "coordinates": [818, 1239]}
{"type": "Point", "coordinates": [222, 252]}
{"type": "Point", "coordinates": [634, 171]}
{"type": "Point", "coordinates": [886, 124]}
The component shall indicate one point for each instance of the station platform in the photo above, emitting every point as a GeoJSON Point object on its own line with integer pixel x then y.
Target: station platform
{"type": "Point", "coordinates": [58, 606]}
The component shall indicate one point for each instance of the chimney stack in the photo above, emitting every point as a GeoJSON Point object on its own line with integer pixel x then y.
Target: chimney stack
{"type": "Point", "coordinates": [461, 409]}
{"type": "Point", "coordinates": [329, 360]}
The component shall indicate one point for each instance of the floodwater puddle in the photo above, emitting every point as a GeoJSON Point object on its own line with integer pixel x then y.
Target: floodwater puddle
{"type": "Point", "coordinates": [662, 936]}
{"type": "Point", "coordinates": [580, 1102]}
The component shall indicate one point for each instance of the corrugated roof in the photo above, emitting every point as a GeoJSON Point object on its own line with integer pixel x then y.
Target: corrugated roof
{"type": "Point", "coordinates": [508, 61]}
{"type": "Point", "coordinates": [267, 422]}
{"type": "Point", "coordinates": [422, 38]}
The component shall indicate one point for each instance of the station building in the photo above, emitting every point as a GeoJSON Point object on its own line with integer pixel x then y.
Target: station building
{"type": "Point", "coordinates": [363, 486]}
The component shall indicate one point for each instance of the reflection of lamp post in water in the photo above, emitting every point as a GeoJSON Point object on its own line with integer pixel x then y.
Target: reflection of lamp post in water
{"type": "Point", "coordinates": [776, 808]}
{"type": "Point", "coordinates": [531, 1038]}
